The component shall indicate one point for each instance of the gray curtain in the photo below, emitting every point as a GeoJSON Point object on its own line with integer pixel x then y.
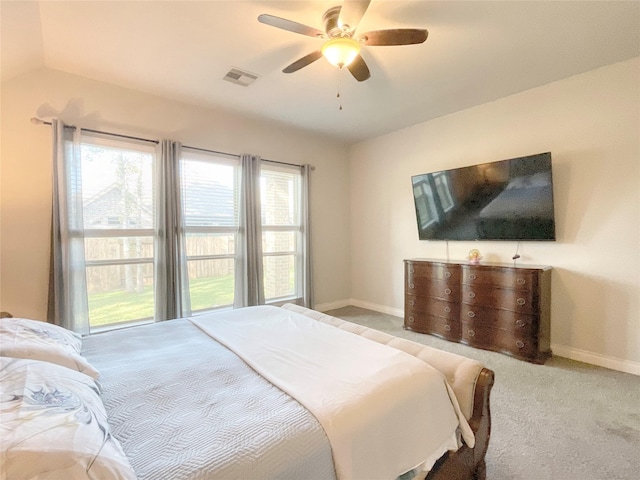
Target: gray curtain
{"type": "Point", "coordinates": [171, 272]}
{"type": "Point", "coordinates": [307, 270]}
{"type": "Point", "coordinates": [68, 304]}
{"type": "Point", "coordinates": [249, 283]}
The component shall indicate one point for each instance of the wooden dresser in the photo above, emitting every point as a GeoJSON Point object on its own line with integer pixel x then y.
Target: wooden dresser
{"type": "Point", "coordinates": [499, 307]}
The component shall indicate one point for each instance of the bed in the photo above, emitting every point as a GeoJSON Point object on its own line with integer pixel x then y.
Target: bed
{"type": "Point", "coordinates": [223, 396]}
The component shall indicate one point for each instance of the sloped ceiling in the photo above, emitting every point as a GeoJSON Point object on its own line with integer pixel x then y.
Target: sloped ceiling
{"type": "Point", "coordinates": [477, 51]}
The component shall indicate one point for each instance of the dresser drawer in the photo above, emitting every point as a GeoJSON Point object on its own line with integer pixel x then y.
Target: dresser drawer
{"type": "Point", "coordinates": [518, 278]}
{"type": "Point", "coordinates": [523, 301]}
{"type": "Point", "coordinates": [433, 288]}
{"type": "Point", "coordinates": [499, 340]}
{"type": "Point", "coordinates": [418, 306]}
{"type": "Point", "coordinates": [436, 271]}
{"type": "Point", "coordinates": [505, 319]}
{"type": "Point", "coordinates": [442, 327]}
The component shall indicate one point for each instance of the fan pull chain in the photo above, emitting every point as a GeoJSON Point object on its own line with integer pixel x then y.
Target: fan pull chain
{"type": "Point", "coordinates": [338, 95]}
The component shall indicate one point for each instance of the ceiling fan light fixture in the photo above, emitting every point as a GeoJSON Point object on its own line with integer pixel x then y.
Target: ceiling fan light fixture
{"type": "Point", "coordinates": [341, 51]}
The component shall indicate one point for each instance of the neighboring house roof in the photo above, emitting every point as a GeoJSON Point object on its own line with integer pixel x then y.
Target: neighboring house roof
{"type": "Point", "coordinates": [108, 209]}
{"type": "Point", "coordinates": [206, 204]}
{"type": "Point", "coordinates": [209, 204]}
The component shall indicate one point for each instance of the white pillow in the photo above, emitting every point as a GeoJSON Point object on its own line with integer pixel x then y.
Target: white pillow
{"type": "Point", "coordinates": [25, 338]}
{"type": "Point", "coordinates": [54, 425]}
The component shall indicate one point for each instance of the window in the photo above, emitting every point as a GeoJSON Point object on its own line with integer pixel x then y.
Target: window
{"type": "Point", "coordinates": [123, 254]}
{"type": "Point", "coordinates": [280, 194]}
{"type": "Point", "coordinates": [118, 216]}
{"type": "Point", "coordinates": [209, 188]}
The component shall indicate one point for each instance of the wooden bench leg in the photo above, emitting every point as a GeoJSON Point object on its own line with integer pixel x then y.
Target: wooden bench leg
{"type": "Point", "coordinates": [481, 471]}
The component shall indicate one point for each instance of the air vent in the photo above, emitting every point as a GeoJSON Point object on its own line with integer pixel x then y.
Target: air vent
{"type": "Point", "coordinates": [240, 77]}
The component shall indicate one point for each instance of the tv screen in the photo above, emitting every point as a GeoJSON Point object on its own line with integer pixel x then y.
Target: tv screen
{"type": "Point", "coordinates": [506, 200]}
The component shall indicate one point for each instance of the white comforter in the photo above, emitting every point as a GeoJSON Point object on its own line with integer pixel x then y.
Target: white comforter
{"type": "Point", "coordinates": [383, 410]}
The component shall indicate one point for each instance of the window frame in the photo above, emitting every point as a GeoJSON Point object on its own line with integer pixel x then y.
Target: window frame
{"type": "Point", "coordinates": [94, 139]}
{"type": "Point", "coordinates": [296, 228]}
{"type": "Point", "coordinates": [196, 155]}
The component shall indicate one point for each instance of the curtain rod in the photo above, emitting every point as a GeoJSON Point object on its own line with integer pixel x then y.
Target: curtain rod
{"type": "Point", "coordinates": [38, 121]}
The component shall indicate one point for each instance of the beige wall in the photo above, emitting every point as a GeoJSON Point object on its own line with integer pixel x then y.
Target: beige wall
{"type": "Point", "coordinates": [25, 171]}
{"type": "Point", "coordinates": [591, 125]}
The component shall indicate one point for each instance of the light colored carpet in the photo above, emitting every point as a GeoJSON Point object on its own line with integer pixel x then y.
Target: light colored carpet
{"type": "Point", "coordinates": [564, 420]}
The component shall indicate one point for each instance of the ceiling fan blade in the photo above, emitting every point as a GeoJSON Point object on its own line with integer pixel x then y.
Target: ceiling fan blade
{"type": "Point", "coordinates": [351, 13]}
{"type": "Point", "coordinates": [359, 69]}
{"type": "Point", "coordinates": [397, 36]}
{"type": "Point", "coordinates": [290, 25]}
{"type": "Point", "coordinates": [303, 62]}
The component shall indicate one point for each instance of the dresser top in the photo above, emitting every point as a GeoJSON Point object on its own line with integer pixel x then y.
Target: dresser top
{"type": "Point", "coordinates": [481, 264]}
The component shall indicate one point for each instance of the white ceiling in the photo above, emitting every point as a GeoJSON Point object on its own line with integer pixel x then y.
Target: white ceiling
{"type": "Point", "coordinates": [477, 51]}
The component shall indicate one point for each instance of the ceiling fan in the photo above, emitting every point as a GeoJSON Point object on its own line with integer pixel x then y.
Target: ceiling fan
{"type": "Point", "coordinates": [342, 47]}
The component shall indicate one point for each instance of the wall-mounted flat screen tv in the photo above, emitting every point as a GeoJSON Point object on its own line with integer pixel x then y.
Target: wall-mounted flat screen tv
{"type": "Point", "coordinates": [506, 200]}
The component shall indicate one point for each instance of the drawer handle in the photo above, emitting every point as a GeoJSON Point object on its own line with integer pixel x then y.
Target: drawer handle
{"type": "Point", "coordinates": [471, 333]}
{"type": "Point", "coordinates": [520, 344]}
{"type": "Point", "coordinates": [411, 285]}
{"type": "Point", "coordinates": [472, 276]}
{"type": "Point", "coordinates": [520, 323]}
{"type": "Point", "coordinates": [412, 303]}
{"type": "Point", "coordinates": [521, 281]}
{"type": "Point", "coordinates": [521, 301]}
{"type": "Point", "coordinates": [471, 313]}
{"type": "Point", "coordinates": [472, 295]}
{"type": "Point", "coordinates": [447, 309]}
{"type": "Point", "coordinates": [411, 319]}
{"type": "Point", "coordinates": [447, 291]}
{"type": "Point", "coordinates": [447, 328]}
{"type": "Point", "coordinates": [447, 274]}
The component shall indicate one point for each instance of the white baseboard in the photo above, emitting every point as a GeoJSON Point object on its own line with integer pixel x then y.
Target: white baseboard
{"type": "Point", "coordinates": [396, 312]}
{"type": "Point", "coordinates": [585, 356]}
{"type": "Point", "coordinates": [605, 361]}
{"type": "Point", "coordinates": [323, 307]}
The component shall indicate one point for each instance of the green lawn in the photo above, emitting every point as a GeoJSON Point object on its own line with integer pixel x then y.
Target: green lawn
{"type": "Point", "coordinates": [123, 306]}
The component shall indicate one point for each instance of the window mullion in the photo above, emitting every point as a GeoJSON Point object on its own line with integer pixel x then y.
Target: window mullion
{"type": "Point", "coordinates": [207, 229]}
{"type": "Point", "coordinates": [118, 261]}
{"type": "Point", "coordinates": [115, 233]}
{"type": "Point", "coordinates": [211, 257]}
{"type": "Point", "coordinates": [280, 228]}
